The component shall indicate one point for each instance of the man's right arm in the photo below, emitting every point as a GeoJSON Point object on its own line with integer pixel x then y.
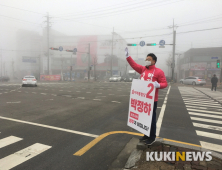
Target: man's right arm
{"type": "Point", "coordinates": [138, 68]}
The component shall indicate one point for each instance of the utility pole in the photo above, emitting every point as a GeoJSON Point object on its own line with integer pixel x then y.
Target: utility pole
{"type": "Point", "coordinates": [89, 63]}
{"type": "Point", "coordinates": [70, 76]}
{"type": "Point", "coordinates": [173, 52]}
{"type": "Point", "coordinates": [111, 63]}
{"type": "Point", "coordinates": [48, 39]}
{"type": "Point", "coordinates": [12, 69]}
{"type": "Point", "coordinates": [1, 62]}
{"type": "Point", "coordinates": [39, 67]}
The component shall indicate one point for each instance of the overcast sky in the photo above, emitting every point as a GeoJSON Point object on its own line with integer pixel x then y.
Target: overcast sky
{"type": "Point", "coordinates": [147, 20]}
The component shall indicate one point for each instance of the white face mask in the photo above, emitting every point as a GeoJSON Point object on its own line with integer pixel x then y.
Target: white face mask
{"type": "Point", "coordinates": [147, 63]}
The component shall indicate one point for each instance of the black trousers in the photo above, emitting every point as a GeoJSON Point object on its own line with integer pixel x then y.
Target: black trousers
{"type": "Point", "coordinates": [153, 123]}
{"type": "Point", "coordinates": [214, 87]}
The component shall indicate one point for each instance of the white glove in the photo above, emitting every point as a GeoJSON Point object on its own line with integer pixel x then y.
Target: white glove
{"type": "Point", "coordinates": [126, 52]}
{"type": "Point", "coordinates": [156, 84]}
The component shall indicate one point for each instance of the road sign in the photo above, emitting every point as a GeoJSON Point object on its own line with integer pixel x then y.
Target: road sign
{"type": "Point", "coordinates": [162, 42]}
{"type": "Point", "coordinates": [75, 50]}
{"type": "Point", "coordinates": [142, 43]}
{"type": "Point", "coordinates": [161, 46]}
{"type": "Point", "coordinates": [214, 57]}
{"type": "Point", "coordinates": [60, 48]}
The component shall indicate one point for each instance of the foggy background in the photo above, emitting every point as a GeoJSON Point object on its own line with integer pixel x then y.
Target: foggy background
{"type": "Point", "coordinates": [198, 24]}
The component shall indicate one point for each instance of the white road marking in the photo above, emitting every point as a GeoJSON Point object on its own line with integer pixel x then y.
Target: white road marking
{"type": "Point", "coordinates": [206, 104]}
{"type": "Point", "coordinates": [205, 115]}
{"type": "Point", "coordinates": [97, 99]}
{"type": "Point", "coordinates": [203, 108]}
{"type": "Point", "coordinates": [211, 146]}
{"type": "Point", "coordinates": [201, 102]}
{"type": "Point", "coordinates": [23, 155]}
{"type": "Point", "coordinates": [81, 97]}
{"type": "Point", "coordinates": [50, 127]}
{"type": "Point", "coordinates": [160, 118]}
{"type": "Point", "coordinates": [206, 120]}
{"type": "Point", "coordinates": [53, 94]}
{"type": "Point", "coordinates": [8, 141]}
{"type": "Point", "coordinates": [207, 126]}
{"type": "Point", "coordinates": [43, 93]}
{"type": "Point", "coordinates": [205, 111]}
{"type": "Point", "coordinates": [209, 135]}
{"type": "Point", "coordinates": [14, 102]}
{"type": "Point", "coordinates": [116, 102]}
{"type": "Point", "coordinates": [60, 90]}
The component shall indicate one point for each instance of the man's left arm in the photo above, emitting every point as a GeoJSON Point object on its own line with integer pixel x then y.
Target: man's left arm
{"type": "Point", "coordinates": [162, 80]}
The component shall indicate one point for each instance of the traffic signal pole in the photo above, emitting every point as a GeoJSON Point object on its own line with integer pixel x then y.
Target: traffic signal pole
{"type": "Point", "coordinates": [48, 38]}
{"type": "Point", "coordinates": [89, 63]}
{"type": "Point", "coordinates": [174, 44]}
{"type": "Point", "coordinates": [111, 62]}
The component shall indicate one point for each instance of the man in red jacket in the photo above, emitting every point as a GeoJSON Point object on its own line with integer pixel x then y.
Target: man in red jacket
{"type": "Point", "coordinates": [149, 72]}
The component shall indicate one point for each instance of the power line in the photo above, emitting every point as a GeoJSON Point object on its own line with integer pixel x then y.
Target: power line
{"type": "Point", "coordinates": [199, 30]}
{"type": "Point", "coordinates": [117, 12]}
{"type": "Point", "coordinates": [20, 20]}
{"type": "Point", "coordinates": [21, 9]}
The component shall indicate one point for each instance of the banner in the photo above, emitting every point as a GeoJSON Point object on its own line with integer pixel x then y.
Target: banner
{"type": "Point", "coordinates": [50, 77]}
{"type": "Point", "coordinates": [141, 106]}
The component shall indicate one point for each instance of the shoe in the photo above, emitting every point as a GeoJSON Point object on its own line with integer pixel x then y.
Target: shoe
{"type": "Point", "coordinates": [144, 138]}
{"type": "Point", "coordinates": [150, 141]}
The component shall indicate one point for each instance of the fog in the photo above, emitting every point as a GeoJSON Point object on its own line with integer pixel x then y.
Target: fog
{"type": "Point", "coordinates": [197, 25]}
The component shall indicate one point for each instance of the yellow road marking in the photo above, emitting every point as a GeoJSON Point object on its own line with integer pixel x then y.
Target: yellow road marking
{"type": "Point", "coordinates": [99, 138]}
{"type": "Point", "coordinates": [95, 141]}
{"type": "Point", "coordinates": [181, 142]}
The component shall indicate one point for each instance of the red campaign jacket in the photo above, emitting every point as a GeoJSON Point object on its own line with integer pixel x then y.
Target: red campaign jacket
{"type": "Point", "coordinates": [151, 73]}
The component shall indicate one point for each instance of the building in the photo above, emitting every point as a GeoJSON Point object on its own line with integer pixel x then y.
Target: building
{"type": "Point", "coordinates": [200, 62]}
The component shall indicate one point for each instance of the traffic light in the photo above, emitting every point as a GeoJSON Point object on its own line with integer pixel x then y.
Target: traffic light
{"type": "Point", "coordinates": [151, 44]}
{"type": "Point", "coordinates": [131, 44]}
{"type": "Point", "coordinates": [218, 64]}
{"type": "Point", "coordinates": [69, 50]}
{"type": "Point", "coordinates": [53, 48]}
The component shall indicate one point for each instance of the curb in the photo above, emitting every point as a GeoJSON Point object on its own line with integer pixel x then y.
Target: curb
{"type": "Point", "coordinates": [136, 153]}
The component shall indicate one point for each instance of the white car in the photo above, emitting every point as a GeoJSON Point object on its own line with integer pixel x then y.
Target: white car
{"type": "Point", "coordinates": [194, 81]}
{"type": "Point", "coordinates": [29, 81]}
{"type": "Point", "coordinates": [116, 78]}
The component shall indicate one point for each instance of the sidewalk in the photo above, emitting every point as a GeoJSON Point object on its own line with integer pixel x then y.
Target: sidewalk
{"type": "Point", "coordinates": [137, 159]}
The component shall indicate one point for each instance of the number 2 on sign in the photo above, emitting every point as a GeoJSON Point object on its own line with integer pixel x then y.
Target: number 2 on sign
{"type": "Point", "coordinates": [150, 91]}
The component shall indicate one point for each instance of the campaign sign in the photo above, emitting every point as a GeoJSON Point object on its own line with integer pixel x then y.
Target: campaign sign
{"type": "Point", "coordinates": [141, 105]}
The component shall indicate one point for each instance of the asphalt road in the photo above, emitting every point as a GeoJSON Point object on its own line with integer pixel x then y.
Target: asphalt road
{"type": "Point", "coordinates": [44, 127]}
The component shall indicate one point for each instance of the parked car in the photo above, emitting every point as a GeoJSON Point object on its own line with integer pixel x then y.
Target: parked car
{"type": "Point", "coordinates": [194, 81]}
{"type": "Point", "coordinates": [29, 81]}
{"type": "Point", "coordinates": [181, 81]}
{"type": "Point", "coordinates": [4, 78]}
{"type": "Point", "coordinates": [115, 78]}
{"type": "Point", "coordinates": [128, 79]}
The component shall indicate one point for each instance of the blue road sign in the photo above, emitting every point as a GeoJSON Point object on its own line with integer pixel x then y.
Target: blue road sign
{"type": "Point", "coordinates": [214, 57]}
{"type": "Point", "coordinates": [162, 42]}
{"type": "Point", "coordinates": [142, 43]}
{"type": "Point", "coordinates": [75, 50]}
{"type": "Point", "coordinates": [60, 48]}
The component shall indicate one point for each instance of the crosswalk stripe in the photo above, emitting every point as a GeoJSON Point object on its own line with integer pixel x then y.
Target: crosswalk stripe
{"type": "Point", "coordinates": [204, 111]}
{"type": "Point", "coordinates": [207, 126]}
{"type": "Point", "coordinates": [201, 102]}
{"type": "Point", "coordinates": [198, 100]}
{"type": "Point", "coordinates": [211, 146]}
{"type": "Point", "coordinates": [206, 120]}
{"type": "Point", "coordinates": [209, 135]}
{"type": "Point", "coordinates": [205, 115]}
{"type": "Point", "coordinates": [203, 108]}
{"type": "Point", "coordinates": [8, 141]}
{"type": "Point", "coordinates": [206, 104]}
{"type": "Point", "coordinates": [23, 155]}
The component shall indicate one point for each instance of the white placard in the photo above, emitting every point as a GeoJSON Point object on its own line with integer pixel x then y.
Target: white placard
{"type": "Point", "coordinates": [141, 105]}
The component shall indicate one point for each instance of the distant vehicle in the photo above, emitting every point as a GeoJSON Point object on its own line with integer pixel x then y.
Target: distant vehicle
{"type": "Point", "coordinates": [115, 78]}
{"type": "Point", "coordinates": [168, 79]}
{"type": "Point", "coordinates": [4, 78]}
{"type": "Point", "coordinates": [194, 81]}
{"type": "Point", "coordinates": [29, 81]}
{"type": "Point", "coordinates": [128, 79]}
{"type": "Point", "coordinates": [91, 78]}
{"type": "Point", "coordinates": [181, 81]}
